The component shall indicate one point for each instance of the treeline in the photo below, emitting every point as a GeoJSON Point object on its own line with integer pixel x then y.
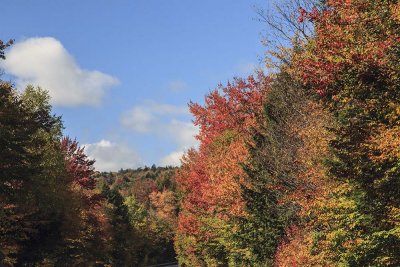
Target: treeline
{"type": "Point", "coordinates": [150, 198]}
{"type": "Point", "coordinates": [142, 207]}
{"type": "Point", "coordinates": [301, 167]}
{"type": "Point", "coordinates": [55, 210]}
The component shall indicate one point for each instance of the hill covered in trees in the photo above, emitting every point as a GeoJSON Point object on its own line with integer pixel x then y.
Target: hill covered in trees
{"type": "Point", "coordinates": [299, 166]}
{"type": "Point", "coordinates": [149, 199]}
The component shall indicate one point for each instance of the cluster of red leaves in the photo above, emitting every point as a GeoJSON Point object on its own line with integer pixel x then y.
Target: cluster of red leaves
{"type": "Point", "coordinates": [347, 33]}
{"type": "Point", "coordinates": [77, 163]}
{"type": "Point", "coordinates": [308, 15]}
{"type": "Point", "coordinates": [81, 170]}
{"type": "Point", "coordinates": [192, 180]}
{"type": "Point", "coordinates": [232, 107]}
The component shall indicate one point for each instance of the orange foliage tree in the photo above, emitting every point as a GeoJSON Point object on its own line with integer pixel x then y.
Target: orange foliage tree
{"type": "Point", "coordinates": [208, 179]}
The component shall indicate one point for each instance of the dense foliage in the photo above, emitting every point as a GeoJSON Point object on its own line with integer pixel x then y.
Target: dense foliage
{"type": "Point", "coordinates": [354, 59]}
{"type": "Point", "coordinates": [300, 167]}
{"type": "Point", "coordinates": [319, 183]}
{"type": "Point", "coordinates": [142, 205]}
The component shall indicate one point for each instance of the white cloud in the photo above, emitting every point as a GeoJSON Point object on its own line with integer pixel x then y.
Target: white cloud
{"type": "Point", "coordinates": [46, 63]}
{"type": "Point", "coordinates": [183, 133]}
{"type": "Point", "coordinates": [166, 108]}
{"type": "Point", "coordinates": [166, 122]}
{"type": "Point", "coordinates": [177, 86]}
{"type": "Point", "coordinates": [138, 119]}
{"type": "Point", "coordinates": [172, 159]}
{"type": "Point", "coordinates": [112, 156]}
{"type": "Point", "coordinates": [146, 117]}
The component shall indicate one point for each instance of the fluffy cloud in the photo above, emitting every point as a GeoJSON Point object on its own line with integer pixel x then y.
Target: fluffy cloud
{"type": "Point", "coordinates": [165, 121]}
{"type": "Point", "coordinates": [138, 119]}
{"type": "Point", "coordinates": [168, 109]}
{"type": "Point", "coordinates": [147, 117]}
{"type": "Point", "coordinates": [182, 133]}
{"type": "Point", "coordinates": [45, 62]}
{"type": "Point", "coordinates": [111, 156]}
{"type": "Point", "coordinates": [173, 159]}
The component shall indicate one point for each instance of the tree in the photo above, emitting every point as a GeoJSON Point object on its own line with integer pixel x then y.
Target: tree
{"type": "Point", "coordinates": [210, 192]}
{"type": "Point", "coordinates": [28, 136]}
{"type": "Point", "coordinates": [4, 46]}
{"type": "Point", "coordinates": [124, 240]}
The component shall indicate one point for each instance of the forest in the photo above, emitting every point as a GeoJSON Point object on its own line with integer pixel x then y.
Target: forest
{"type": "Point", "coordinates": [298, 165]}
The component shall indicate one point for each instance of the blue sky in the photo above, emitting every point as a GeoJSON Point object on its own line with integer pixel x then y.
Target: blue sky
{"type": "Point", "coordinates": [122, 72]}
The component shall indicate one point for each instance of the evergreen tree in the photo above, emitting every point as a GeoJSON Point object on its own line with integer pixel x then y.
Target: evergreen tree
{"type": "Point", "coordinates": [124, 246]}
{"type": "Point", "coordinates": [271, 172]}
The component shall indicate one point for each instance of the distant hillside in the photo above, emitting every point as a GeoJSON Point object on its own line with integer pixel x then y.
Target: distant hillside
{"type": "Point", "coordinates": [140, 182]}
{"type": "Point", "coordinates": [150, 196]}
